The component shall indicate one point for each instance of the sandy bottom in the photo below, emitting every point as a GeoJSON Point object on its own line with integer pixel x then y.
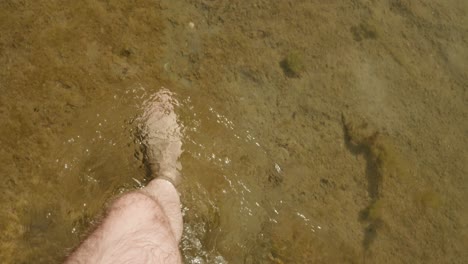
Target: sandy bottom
{"type": "Point", "coordinates": [314, 131]}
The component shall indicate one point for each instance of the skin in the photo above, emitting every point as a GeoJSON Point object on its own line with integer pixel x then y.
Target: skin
{"type": "Point", "coordinates": [144, 226]}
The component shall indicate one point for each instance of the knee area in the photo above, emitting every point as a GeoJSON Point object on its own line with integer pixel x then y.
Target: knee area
{"type": "Point", "coordinates": [135, 204]}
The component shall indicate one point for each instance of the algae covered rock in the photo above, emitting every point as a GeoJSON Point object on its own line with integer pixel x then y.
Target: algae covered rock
{"type": "Point", "coordinates": [293, 64]}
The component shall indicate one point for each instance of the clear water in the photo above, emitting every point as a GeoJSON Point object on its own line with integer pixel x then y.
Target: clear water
{"type": "Point", "coordinates": [314, 132]}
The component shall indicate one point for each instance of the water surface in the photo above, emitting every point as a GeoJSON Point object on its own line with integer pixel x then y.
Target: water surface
{"type": "Point", "coordinates": [359, 156]}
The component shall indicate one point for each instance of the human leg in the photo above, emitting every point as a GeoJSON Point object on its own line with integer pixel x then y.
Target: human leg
{"type": "Point", "coordinates": [145, 226]}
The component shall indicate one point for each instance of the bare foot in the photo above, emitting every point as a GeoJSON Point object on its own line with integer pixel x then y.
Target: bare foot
{"type": "Point", "coordinates": [163, 137]}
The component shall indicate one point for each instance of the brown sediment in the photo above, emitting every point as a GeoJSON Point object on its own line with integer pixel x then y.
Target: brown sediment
{"type": "Point", "coordinates": [399, 64]}
{"type": "Point", "coordinates": [383, 162]}
{"type": "Point", "coordinates": [68, 70]}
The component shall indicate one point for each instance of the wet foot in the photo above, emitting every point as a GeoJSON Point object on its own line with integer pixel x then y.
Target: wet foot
{"type": "Point", "coordinates": [163, 137]}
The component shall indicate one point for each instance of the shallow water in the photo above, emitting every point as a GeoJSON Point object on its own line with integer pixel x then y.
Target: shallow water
{"type": "Point", "coordinates": [358, 157]}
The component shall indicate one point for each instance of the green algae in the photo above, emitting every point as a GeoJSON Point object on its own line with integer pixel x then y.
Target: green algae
{"type": "Point", "coordinates": [374, 211]}
{"type": "Point", "coordinates": [383, 161]}
{"type": "Point", "coordinates": [378, 148]}
{"type": "Point", "coordinates": [293, 64]}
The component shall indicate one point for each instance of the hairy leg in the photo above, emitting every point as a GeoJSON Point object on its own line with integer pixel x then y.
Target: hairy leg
{"type": "Point", "coordinates": [135, 230]}
{"type": "Point", "coordinates": [145, 226]}
{"type": "Point", "coordinates": [166, 195]}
